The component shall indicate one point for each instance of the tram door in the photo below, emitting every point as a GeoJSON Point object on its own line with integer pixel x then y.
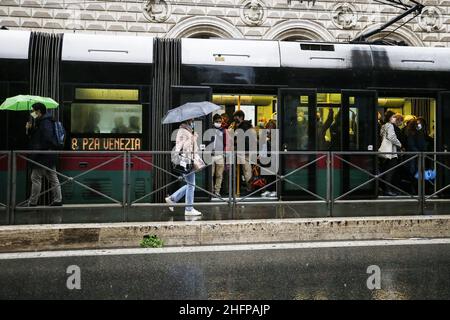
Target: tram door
{"type": "Point", "coordinates": [358, 135]}
{"type": "Point", "coordinates": [297, 119]}
{"type": "Point", "coordinates": [443, 143]}
{"type": "Point", "coordinates": [184, 94]}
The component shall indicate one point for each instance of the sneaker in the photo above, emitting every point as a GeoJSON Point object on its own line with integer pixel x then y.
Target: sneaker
{"type": "Point", "coordinates": [273, 194]}
{"type": "Point", "coordinates": [169, 201]}
{"type": "Point", "coordinates": [265, 194]}
{"type": "Point", "coordinates": [192, 212]}
{"type": "Point", "coordinates": [217, 195]}
{"type": "Point", "coordinates": [32, 205]}
{"type": "Point", "coordinates": [56, 204]}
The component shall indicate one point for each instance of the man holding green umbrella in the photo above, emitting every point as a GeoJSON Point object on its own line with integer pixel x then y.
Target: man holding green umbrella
{"type": "Point", "coordinates": [42, 137]}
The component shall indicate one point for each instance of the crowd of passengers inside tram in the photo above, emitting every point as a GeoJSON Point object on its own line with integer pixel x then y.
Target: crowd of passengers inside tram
{"type": "Point", "coordinates": [399, 134]}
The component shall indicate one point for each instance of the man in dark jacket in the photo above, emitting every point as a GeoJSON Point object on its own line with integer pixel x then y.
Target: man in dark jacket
{"type": "Point", "coordinates": [42, 137]}
{"type": "Point", "coordinates": [244, 125]}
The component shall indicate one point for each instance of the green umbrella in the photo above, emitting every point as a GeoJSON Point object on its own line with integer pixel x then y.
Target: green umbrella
{"type": "Point", "coordinates": [24, 103]}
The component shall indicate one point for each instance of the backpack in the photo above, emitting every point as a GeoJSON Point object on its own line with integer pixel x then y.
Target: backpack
{"type": "Point", "coordinates": [60, 134]}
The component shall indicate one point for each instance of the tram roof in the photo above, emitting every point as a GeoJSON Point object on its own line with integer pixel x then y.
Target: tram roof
{"type": "Point", "coordinates": [107, 48]}
{"type": "Point", "coordinates": [238, 52]}
{"type": "Point", "coordinates": [15, 44]}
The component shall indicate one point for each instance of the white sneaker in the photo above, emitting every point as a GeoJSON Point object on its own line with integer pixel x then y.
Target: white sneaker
{"type": "Point", "coordinates": [273, 194]}
{"type": "Point", "coordinates": [169, 201]}
{"type": "Point", "coordinates": [265, 194]}
{"type": "Point", "coordinates": [193, 212]}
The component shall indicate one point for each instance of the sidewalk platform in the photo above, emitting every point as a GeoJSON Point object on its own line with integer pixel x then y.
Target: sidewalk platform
{"type": "Point", "coordinates": [189, 233]}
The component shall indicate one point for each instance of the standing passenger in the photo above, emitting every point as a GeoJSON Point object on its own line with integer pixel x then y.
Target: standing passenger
{"type": "Point", "coordinates": [218, 158]}
{"type": "Point", "coordinates": [245, 126]}
{"type": "Point", "coordinates": [390, 143]}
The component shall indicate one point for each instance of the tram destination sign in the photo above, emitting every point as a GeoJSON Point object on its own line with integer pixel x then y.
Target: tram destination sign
{"type": "Point", "coordinates": [106, 144]}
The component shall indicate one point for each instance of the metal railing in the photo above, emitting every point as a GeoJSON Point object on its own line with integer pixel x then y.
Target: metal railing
{"type": "Point", "coordinates": [336, 163]}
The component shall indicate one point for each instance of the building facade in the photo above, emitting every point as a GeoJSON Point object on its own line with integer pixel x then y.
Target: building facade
{"type": "Point", "coordinates": [321, 20]}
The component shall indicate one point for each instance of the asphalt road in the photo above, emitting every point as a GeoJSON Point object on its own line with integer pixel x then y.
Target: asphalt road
{"type": "Point", "coordinates": [397, 269]}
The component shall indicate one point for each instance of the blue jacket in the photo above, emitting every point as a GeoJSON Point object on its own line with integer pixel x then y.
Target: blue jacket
{"type": "Point", "coordinates": [42, 137]}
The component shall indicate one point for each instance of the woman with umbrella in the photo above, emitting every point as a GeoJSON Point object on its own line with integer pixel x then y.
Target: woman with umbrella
{"type": "Point", "coordinates": [185, 155]}
{"type": "Point", "coordinates": [187, 161]}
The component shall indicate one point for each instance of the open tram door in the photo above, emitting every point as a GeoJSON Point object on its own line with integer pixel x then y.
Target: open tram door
{"type": "Point", "coordinates": [184, 94]}
{"type": "Point", "coordinates": [442, 138]}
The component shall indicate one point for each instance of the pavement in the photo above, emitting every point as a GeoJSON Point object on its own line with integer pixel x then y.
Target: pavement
{"type": "Point", "coordinates": [219, 211]}
{"type": "Point", "coordinates": [373, 269]}
{"type": "Point", "coordinates": [218, 232]}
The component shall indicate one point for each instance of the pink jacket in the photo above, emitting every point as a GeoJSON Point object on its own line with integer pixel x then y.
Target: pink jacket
{"type": "Point", "coordinates": [186, 142]}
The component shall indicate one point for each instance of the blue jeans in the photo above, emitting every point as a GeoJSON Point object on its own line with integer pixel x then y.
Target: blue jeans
{"type": "Point", "coordinates": [187, 191]}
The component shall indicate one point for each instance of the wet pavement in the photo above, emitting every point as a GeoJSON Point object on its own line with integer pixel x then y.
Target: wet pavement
{"type": "Point", "coordinates": [261, 210]}
{"type": "Point", "coordinates": [416, 269]}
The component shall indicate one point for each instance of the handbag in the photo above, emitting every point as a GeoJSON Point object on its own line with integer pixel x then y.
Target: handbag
{"type": "Point", "coordinates": [180, 163]}
{"type": "Point", "coordinates": [198, 164]}
{"type": "Point", "coordinates": [257, 181]}
{"type": "Point", "coordinates": [428, 175]}
{"type": "Point", "coordinates": [386, 146]}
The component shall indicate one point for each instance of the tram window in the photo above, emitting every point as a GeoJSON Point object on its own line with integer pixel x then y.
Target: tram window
{"type": "Point", "coordinates": [296, 121]}
{"type": "Point", "coordinates": [106, 118]}
{"type": "Point", "coordinates": [328, 125]}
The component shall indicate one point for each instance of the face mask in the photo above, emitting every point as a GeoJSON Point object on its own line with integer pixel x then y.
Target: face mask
{"type": "Point", "coordinates": [217, 125]}
{"type": "Point", "coordinates": [419, 126]}
{"type": "Point", "coordinates": [34, 115]}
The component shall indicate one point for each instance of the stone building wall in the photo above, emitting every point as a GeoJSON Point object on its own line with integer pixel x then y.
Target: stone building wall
{"type": "Point", "coordinates": [324, 20]}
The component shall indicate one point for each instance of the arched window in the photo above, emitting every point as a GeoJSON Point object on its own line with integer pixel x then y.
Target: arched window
{"type": "Point", "coordinates": [204, 27]}
{"type": "Point", "coordinates": [299, 31]}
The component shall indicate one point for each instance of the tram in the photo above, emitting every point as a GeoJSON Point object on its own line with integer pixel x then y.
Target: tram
{"type": "Point", "coordinates": [106, 87]}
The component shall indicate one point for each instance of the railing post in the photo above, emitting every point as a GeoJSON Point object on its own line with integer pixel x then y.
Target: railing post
{"type": "Point", "coordinates": [13, 188]}
{"type": "Point", "coordinates": [228, 159]}
{"type": "Point", "coordinates": [420, 182]}
{"type": "Point", "coordinates": [8, 189]}
{"type": "Point", "coordinates": [328, 184]}
{"type": "Point", "coordinates": [125, 187]}
{"type": "Point", "coordinates": [331, 183]}
{"type": "Point", "coordinates": [234, 164]}
{"type": "Point", "coordinates": [423, 158]}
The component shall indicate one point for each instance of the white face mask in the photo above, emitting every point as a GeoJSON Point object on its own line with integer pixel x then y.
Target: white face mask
{"type": "Point", "coordinates": [34, 115]}
{"type": "Point", "coordinates": [419, 126]}
{"type": "Point", "coordinates": [217, 124]}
